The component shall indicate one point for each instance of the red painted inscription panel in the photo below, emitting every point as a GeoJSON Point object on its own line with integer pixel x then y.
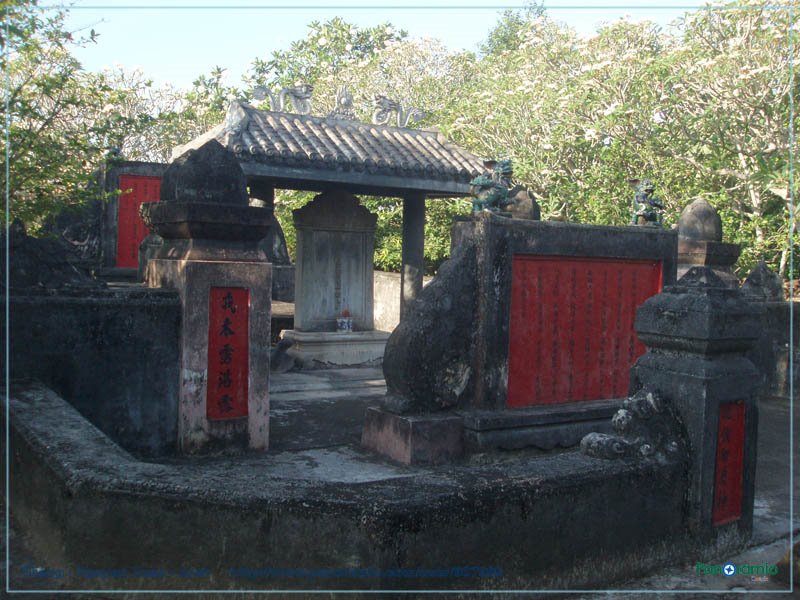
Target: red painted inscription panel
{"type": "Point", "coordinates": [571, 334]}
{"type": "Point", "coordinates": [730, 464]}
{"type": "Point", "coordinates": [136, 189]}
{"type": "Point", "coordinates": [228, 353]}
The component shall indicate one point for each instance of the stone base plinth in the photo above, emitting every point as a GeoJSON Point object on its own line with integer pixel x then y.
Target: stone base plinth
{"type": "Point", "coordinates": [320, 348]}
{"type": "Point", "coordinates": [543, 427]}
{"type": "Point", "coordinates": [413, 439]}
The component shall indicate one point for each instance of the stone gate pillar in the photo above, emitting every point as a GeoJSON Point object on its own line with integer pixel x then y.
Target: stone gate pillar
{"type": "Point", "coordinates": [697, 333]}
{"type": "Point", "coordinates": [211, 256]}
{"type": "Point", "coordinates": [413, 250]}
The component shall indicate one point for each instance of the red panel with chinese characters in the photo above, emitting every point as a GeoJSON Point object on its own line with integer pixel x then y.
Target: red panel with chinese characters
{"type": "Point", "coordinates": [571, 335]}
{"type": "Point", "coordinates": [228, 352]}
{"type": "Point", "coordinates": [136, 189]}
{"type": "Point", "coordinates": [730, 464]}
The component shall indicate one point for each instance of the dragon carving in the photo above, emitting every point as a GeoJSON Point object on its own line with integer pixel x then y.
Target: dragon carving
{"type": "Point", "coordinates": [384, 107]}
{"type": "Point", "coordinates": [299, 96]}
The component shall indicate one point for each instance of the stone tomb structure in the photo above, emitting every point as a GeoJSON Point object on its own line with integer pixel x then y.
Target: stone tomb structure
{"type": "Point", "coordinates": [525, 338]}
{"type": "Point", "coordinates": [681, 491]}
{"type": "Point", "coordinates": [335, 247]}
{"type": "Point", "coordinates": [340, 158]}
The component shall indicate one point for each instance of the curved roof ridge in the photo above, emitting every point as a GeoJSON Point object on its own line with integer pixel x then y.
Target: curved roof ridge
{"type": "Point", "coordinates": [277, 139]}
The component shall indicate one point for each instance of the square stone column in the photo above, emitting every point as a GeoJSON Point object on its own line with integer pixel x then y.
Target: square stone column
{"type": "Point", "coordinates": [224, 387]}
{"type": "Point", "coordinates": [697, 334]}
{"type": "Point", "coordinates": [210, 255]}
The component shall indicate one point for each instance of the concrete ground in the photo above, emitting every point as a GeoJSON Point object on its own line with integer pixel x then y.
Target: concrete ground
{"type": "Point", "coordinates": [322, 398]}
{"type": "Point", "coordinates": [327, 406]}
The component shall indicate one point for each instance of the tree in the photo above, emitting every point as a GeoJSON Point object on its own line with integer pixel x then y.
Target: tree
{"type": "Point", "coordinates": [326, 49]}
{"type": "Point", "coordinates": [375, 60]}
{"type": "Point", "coordinates": [704, 112]}
{"type": "Point", "coordinates": [511, 29]}
{"type": "Point", "coordinates": [61, 121]}
{"type": "Point", "coordinates": [727, 117]}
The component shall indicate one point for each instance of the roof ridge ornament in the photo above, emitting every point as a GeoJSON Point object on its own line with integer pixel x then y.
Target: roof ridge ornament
{"type": "Point", "coordinates": [344, 108]}
{"type": "Point", "coordinates": [236, 117]}
{"type": "Point", "coordinates": [384, 107]}
{"type": "Point", "coordinates": [299, 96]}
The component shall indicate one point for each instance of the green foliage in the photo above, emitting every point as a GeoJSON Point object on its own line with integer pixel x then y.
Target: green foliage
{"type": "Point", "coordinates": [327, 48]}
{"type": "Point", "coordinates": [702, 110]}
{"type": "Point", "coordinates": [61, 120]}
{"type": "Point", "coordinates": [510, 30]}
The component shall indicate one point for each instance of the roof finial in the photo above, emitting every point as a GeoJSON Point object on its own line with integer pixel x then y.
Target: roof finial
{"type": "Point", "coordinates": [299, 95]}
{"type": "Point", "coordinates": [344, 108]}
{"type": "Point", "coordinates": [384, 107]}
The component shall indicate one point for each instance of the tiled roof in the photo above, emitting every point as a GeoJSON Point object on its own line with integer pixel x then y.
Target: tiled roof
{"type": "Point", "coordinates": [329, 144]}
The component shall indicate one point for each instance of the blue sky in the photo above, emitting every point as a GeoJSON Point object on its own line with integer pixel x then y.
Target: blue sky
{"type": "Point", "coordinates": [174, 41]}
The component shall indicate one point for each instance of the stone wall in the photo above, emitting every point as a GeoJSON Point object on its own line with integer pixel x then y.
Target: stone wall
{"type": "Point", "coordinates": [386, 290]}
{"type": "Point", "coordinates": [771, 353]}
{"type": "Point", "coordinates": [113, 354]}
{"type": "Point", "coordinates": [453, 350]}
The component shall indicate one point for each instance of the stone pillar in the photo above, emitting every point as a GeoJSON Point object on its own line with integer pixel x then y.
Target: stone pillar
{"type": "Point", "coordinates": [334, 274]}
{"type": "Point", "coordinates": [413, 250]}
{"type": "Point", "coordinates": [700, 242]}
{"type": "Point", "coordinates": [697, 333]}
{"type": "Point", "coordinates": [210, 255]}
{"type": "Point", "coordinates": [262, 195]}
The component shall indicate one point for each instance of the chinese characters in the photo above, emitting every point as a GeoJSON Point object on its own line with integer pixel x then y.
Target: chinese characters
{"type": "Point", "coordinates": [227, 353]}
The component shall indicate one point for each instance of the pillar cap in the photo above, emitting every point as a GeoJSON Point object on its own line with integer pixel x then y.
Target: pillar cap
{"type": "Point", "coordinates": [209, 174]}
{"type": "Point", "coordinates": [700, 221]}
{"type": "Point", "coordinates": [698, 315]}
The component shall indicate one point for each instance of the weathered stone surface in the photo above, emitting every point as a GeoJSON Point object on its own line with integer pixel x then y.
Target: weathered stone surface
{"type": "Point", "coordinates": [762, 284]}
{"type": "Point", "coordinates": [525, 205]}
{"type": "Point", "coordinates": [194, 279]}
{"type": "Point", "coordinates": [771, 354]}
{"type": "Point", "coordinates": [535, 518]}
{"type": "Point", "coordinates": [204, 213]}
{"type": "Point", "coordinates": [335, 211]}
{"type": "Point", "coordinates": [112, 353]}
{"type": "Point", "coordinates": [210, 173]}
{"type": "Point", "coordinates": [274, 245]}
{"type": "Point", "coordinates": [113, 181]}
{"type": "Point", "coordinates": [697, 333]}
{"type": "Point", "coordinates": [325, 349]}
{"type": "Point", "coordinates": [426, 439]}
{"type": "Point", "coordinates": [334, 266]}
{"type": "Point", "coordinates": [700, 243]}
{"type": "Point", "coordinates": [80, 228]}
{"type": "Point", "coordinates": [427, 359]}
{"type": "Point", "coordinates": [700, 221]}
{"type": "Point", "coordinates": [246, 225]}
{"type": "Point", "coordinates": [40, 263]}
{"type": "Point", "coordinates": [452, 348]}
{"type": "Point", "coordinates": [698, 314]}
{"type": "Point", "coordinates": [644, 428]}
